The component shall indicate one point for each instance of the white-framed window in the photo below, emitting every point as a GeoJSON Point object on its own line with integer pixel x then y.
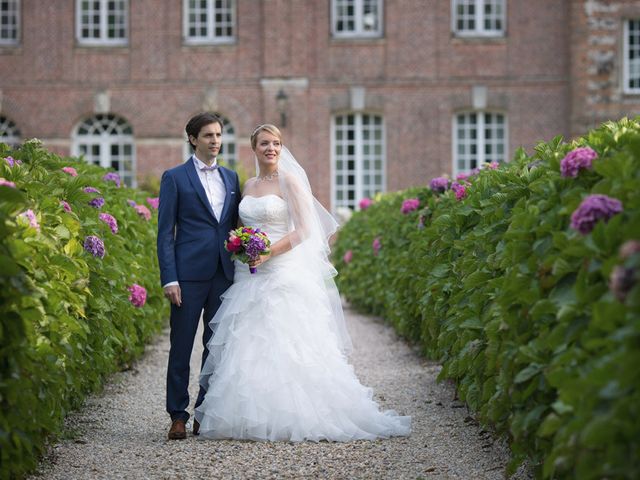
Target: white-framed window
{"type": "Point", "coordinates": [358, 158]}
{"type": "Point", "coordinates": [478, 18]}
{"type": "Point", "coordinates": [9, 22]}
{"type": "Point", "coordinates": [9, 133]}
{"type": "Point", "coordinates": [102, 22]}
{"type": "Point", "coordinates": [478, 138]}
{"type": "Point", "coordinates": [107, 140]}
{"type": "Point", "coordinates": [209, 21]}
{"type": "Point", "coordinates": [228, 152]}
{"type": "Point", "coordinates": [356, 18]}
{"type": "Point", "coordinates": [631, 74]}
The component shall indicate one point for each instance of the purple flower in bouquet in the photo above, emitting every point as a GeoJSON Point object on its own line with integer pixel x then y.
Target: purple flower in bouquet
{"type": "Point", "coordinates": [409, 205]}
{"type": "Point", "coordinates": [112, 177]}
{"type": "Point", "coordinates": [347, 257]}
{"type": "Point", "coordinates": [143, 211]}
{"type": "Point", "coordinates": [109, 220]}
{"type": "Point", "coordinates": [97, 202]}
{"type": "Point", "coordinates": [592, 209]}
{"type": "Point", "coordinates": [247, 244]}
{"type": "Point", "coordinates": [66, 206]}
{"type": "Point", "coordinates": [439, 184]}
{"type": "Point", "coordinates": [576, 160]}
{"type": "Point", "coordinates": [138, 295]}
{"type": "Point", "coordinates": [31, 217]}
{"type": "Point", "coordinates": [95, 246]}
{"type": "Point", "coordinates": [6, 183]}
{"type": "Point", "coordinates": [154, 202]}
{"type": "Point", "coordinates": [365, 203]}
{"type": "Point", "coordinates": [459, 189]}
{"type": "Point", "coordinates": [90, 190]}
{"type": "Point", "coordinates": [376, 245]}
{"type": "Point", "coordinates": [70, 170]}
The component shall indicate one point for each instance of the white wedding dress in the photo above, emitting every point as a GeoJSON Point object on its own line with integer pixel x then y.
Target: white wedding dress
{"type": "Point", "coordinates": [275, 370]}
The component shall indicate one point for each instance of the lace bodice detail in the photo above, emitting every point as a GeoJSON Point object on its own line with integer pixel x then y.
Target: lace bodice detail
{"type": "Point", "coordinates": [268, 213]}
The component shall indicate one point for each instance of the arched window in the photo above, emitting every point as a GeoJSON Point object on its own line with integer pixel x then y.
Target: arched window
{"type": "Point", "coordinates": [228, 152]}
{"type": "Point", "coordinates": [9, 133]}
{"type": "Point", "coordinates": [107, 140]}
{"type": "Point", "coordinates": [358, 153]}
{"type": "Point", "coordinates": [478, 138]}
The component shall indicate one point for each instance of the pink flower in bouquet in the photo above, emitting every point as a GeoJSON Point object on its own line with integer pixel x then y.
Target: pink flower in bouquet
{"type": "Point", "coordinates": [347, 257]}
{"type": "Point", "coordinates": [70, 170]}
{"type": "Point", "coordinates": [376, 245]}
{"type": "Point", "coordinates": [365, 203]}
{"type": "Point", "coordinates": [409, 205]}
{"type": "Point", "coordinates": [66, 206]}
{"type": "Point", "coordinates": [247, 244]}
{"type": "Point", "coordinates": [577, 159]}
{"type": "Point", "coordinates": [459, 189]}
{"type": "Point", "coordinates": [109, 220]}
{"type": "Point", "coordinates": [138, 295]}
{"type": "Point", "coordinates": [154, 202]}
{"type": "Point", "coordinates": [592, 209]}
{"type": "Point", "coordinates": [31, 216]}
{"type": "Point", "coordinates": [6, 183]}
{"type": "Point", "coordinates": [234, 244]}
{"type": "Point", "coordinates": [143, 211]}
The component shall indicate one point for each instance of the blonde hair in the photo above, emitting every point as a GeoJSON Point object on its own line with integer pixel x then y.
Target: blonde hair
{"type": "Point", "coordinates": [266, 127]}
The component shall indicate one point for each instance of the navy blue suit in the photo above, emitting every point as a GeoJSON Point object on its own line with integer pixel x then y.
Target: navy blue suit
{"type": "Point", "coordinates": [191, 251]}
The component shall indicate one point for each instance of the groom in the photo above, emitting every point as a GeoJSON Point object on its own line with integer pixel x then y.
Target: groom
{"type": "Point", "coordinates": [198, 207]}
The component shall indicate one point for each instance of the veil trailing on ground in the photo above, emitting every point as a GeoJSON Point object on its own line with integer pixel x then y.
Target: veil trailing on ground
{"type": "Point", "coordinates": [311, 227]}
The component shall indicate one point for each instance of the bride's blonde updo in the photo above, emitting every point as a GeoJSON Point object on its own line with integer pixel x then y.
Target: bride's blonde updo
{"type": "Point", "coordinates": [266, 127]}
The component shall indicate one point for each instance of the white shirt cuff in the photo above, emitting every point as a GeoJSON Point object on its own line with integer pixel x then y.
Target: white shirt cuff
{"type": "Point", "coordinates": [170, 284]}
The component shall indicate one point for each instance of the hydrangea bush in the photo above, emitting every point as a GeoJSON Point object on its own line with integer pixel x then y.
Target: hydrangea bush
{"type": "Point", "coordinates": [527, 290]}
{"type": "Point", "coordinates": [79, 292]}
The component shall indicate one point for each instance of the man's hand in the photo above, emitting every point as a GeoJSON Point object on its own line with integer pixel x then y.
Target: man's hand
{"type": "Point", "coordinates": [173, 293]}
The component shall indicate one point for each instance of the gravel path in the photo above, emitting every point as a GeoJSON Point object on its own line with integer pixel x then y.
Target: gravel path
{"type": "Point", "coordinates": [121, 433]}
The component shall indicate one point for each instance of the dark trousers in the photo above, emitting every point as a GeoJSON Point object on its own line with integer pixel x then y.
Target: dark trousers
{"type": "Point", "coordinates": [196, 297]}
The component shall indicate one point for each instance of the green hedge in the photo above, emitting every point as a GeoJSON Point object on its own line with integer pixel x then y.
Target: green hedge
{"type": "Point", "coordinates": [516, 304]}
{"type": "Point", "coordinates": [66, 319]}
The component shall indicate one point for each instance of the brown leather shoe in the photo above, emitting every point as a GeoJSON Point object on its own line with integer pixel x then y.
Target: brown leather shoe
{"type": "Point", "coordinates": [196, 427]}
{"type": "Point", "coordinates": [177, 430]}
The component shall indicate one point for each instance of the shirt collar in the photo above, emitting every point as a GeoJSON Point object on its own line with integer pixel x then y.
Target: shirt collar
{"type": "Point", "coordinates": [200, 164]}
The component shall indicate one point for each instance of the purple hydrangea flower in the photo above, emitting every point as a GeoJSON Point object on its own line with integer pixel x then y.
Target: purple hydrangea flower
{"type": "Point", "coordinates": [409, 205]}
{"type": "Point", "coordinates": [97, 202]}
{"type": "Point", "coordinates": [592, 209]}
{"type": "Point", "coordinates": [376, 245]}
{"type": "Point", "coordinates": [95, 246]}
{"type": "Point", "coordinates": [10, 161]}
{"type": "Point", "coordinates": [365, 203]}
{"type": "Point", "coordinates": [112, 177]}
{"type": "Point", "coordinates": [154, 202]}
{"type": "Point", "coordinates": [109, 220]}
{"type": "Point", "coordinates": [90, 190]}
{"type": "Point", "coordinates": [6, 183]}
{"type": "Point", "coordinates": [576, 160]}
{"type": "Point", "coordinates": [131, 203]}
{"type": "Point", "coordinates": [459, 189]}
{"type": "Point", "coordinates": [138, 295]}
{"type": "Point", "coordinates": [66, 206]}
{"type": "Point", "coordinates": [31, 216]}
{"type": "Point", "coordinates": [143, 211]}
{"type": "Point", "coordinates": [439, 184]}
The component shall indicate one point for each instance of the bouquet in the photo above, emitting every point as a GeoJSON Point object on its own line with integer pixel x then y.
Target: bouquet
{"type": "Point", "coordinates": [247, 244]}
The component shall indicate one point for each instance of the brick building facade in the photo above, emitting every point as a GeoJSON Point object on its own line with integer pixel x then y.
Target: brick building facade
{"type": "Point", "coordinates": [370, 94]}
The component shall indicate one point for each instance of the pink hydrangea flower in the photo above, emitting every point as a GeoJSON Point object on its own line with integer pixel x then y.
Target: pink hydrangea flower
{"type": "Point", "coordinates": [138, 295]}
{"type": "Point", "coordinates": [31, 216]}
{"type": "Point", "coordinates": [70, 170]}
{"type": "Point", "coordinates": [6, 183]}
{"type": "Point", "coordinates": [492, 165]}
{"type": "Point", "coordinates": [593, 209]}
{"type": "Point", "coordinates": [347, 257]}
{"type": "Point", "coordinates": [109, 220]}
{"type": "Point", "coordinates": [143, 211]}
{"type": "Point", "coordinates": [376, 245]}
{"type": "Point", "coordinates": [577, 159]}
{"type": "Point", "coordinates": [66, 206]}
{"type": "Point", "coordinates": [365, 203]}
{"type": "Point", "coordinates": [459, 189]}
{"type": "Point", "coordinates": [409, 205]}
{"type": "Point", "coordinates": [461, 177]}
{"type": "Point", "coordinates": [154, 202]}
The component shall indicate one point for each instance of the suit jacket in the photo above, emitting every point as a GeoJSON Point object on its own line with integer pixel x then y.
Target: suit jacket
{"type": "Point", "coordinates": [190, 238]}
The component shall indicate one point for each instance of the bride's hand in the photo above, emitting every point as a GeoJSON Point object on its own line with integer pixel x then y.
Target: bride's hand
{"type": "Point", "coordinates": [260, 260]}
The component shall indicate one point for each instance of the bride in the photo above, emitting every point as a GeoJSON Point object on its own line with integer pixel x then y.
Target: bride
{"type": "Point", "coordinates": [277, 367]}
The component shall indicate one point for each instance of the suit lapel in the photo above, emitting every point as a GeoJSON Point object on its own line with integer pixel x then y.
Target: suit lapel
{"type": "Point", "coordinates": [229, 193]}
{"type": "Point", "coordinates": [197, 184]}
